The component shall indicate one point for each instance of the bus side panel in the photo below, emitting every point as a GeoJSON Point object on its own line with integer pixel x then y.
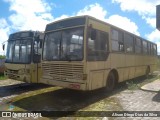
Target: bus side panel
{"type": "Point", "coordinates": [118, 63]}
{"type": "Point", "coordinates": [120, 74]}
{"type": "Point", "coordinates": [96, 74]}
{"type": "Point", "coordinates": [39, 72]}
{"type": "Point", "coordinates": [153, 68]}
{"type": "Point", "coordinates": [138, 71]}
{"type": "Point", "coordinates": [33, 73]}
{"type": "Point", "coordinates": [139, 61]}
{"type": "Point", "coordinates": [129, 72]}
{"type": "Point", "coordinates": [126, 73]}
{"type": "Point", "coordinates": [97, 69]}
{"type": "Point", "coordinates": [154, 61]}
{"type": "Point", "coordinates": [99, 25]}
{"type": "Point", "coordinates": [97, 78]}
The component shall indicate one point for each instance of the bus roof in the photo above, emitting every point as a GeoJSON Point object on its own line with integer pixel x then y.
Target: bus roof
{"type": "Point", "coordinates": [93, 18]}
{"type": "Point", "coordinates": [21, 34]}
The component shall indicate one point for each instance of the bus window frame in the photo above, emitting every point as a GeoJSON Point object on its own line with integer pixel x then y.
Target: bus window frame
{"type": "Point", "coordinates": [31, 53]}
{"type": "Point", "coordinates": [144, 41]}
{"type": "Point", "coordinates": [89, 34]}
{"type": "Point", "coordinates": [125, 43]}
{"type": "Point", "coordinates": [135, 41]}
{"type": "Point", "coordinates": [119, 31]}
{"type": "Point", "coordinates": [62, 30]}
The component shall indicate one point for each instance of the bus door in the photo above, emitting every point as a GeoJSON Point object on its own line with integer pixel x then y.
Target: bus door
{"type": "Point", "coordinates": [97, 55]}
{"type": "Point", "coordinates": [36, 66]}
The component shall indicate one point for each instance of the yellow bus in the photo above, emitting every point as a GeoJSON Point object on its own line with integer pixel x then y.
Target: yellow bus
{"type": "Point", "coordinates": [85, 53]}
{"type": "Point", "coordinates": [23, 56]}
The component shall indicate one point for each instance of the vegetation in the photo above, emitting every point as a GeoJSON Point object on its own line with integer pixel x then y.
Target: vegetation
{"type": "Point", "coordinates": [2, 77]}
{"type": "Point", "coordinates": [2, 56]}
{"type": "Point", "coordinates": [139, 82]}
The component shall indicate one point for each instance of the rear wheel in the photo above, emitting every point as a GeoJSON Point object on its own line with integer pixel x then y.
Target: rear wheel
{"type": "Point", "coordinates": [111, 81]}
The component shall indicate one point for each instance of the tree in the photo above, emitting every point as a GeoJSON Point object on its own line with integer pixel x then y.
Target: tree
{"type": "Point", "coordinates": [2, 56]}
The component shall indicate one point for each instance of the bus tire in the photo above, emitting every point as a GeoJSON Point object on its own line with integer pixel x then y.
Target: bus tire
{"type": "Point", "coordinates": [111, 81]}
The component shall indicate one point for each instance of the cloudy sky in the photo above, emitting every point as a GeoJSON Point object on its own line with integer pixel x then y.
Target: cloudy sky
{"type": "Point", "coordinates": [136, 16]}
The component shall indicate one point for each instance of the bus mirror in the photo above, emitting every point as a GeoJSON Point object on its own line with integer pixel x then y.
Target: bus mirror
{"type": "Point", "coordinates": [3, 47]}
{"type": "Point", "coordinates": [37, 58]}
{"type": "Point", "coordinates": [93, 34]}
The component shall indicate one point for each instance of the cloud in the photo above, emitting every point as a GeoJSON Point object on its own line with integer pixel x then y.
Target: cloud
{"type": "Point", "coordinates": [94, 10]}
{"type": "Point", "coordinates": [147, 10]}
{"type": "Point", "coordinates": [117, 20]}
{"type": "Point", "coordinates": [154, 37]}
{"type": "Point", "coordinates": [142, 7]}
{"type": "Point", "coordinates": [88, 10]}
{"type": "Point", "coordinates": [29, 14]}
{"type": "Point", "coordinates": [25, 18]}
{"type": "Point", "coordinates": [4, 31]}
{"type": "Point", "coordinates": [124, 23]}
{"type": "Point", "coordinates": [25, 15]}
{"type": "Point", "coordinates": [3, 23]}
{"type": "Point", "coordinates": [34, 15]}
{"type": "Point", "coordinates": [151, 22]}
{"type": "Point", "coordinates": [61, 17]}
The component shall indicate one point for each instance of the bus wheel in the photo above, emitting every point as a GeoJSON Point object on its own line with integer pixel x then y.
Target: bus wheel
{"type": "Point", "coordinates": [111, 80]}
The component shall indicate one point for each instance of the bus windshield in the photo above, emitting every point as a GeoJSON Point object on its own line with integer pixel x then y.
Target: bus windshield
{"type": "Point", "coordinates": [64, 45]}
{"type": "Point", "coordinates": [19, 51]}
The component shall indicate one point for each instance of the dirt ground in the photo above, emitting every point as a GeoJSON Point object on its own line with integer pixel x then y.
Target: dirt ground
{"type": "Point", "coordinates": [15, 95]}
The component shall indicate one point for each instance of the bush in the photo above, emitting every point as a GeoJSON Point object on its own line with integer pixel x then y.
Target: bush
{"type": "Point", "coordinates": [2, 56]}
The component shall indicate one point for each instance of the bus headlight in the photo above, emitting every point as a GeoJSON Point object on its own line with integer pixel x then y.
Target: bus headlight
{"type": "Point", "coordinates": [80, 76]}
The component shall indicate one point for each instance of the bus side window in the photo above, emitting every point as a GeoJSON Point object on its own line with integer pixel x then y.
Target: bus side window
{"type": "Point", "coordinates": [97, 45]}
{"type": "Point", "coordinates": [155, 49]}
{"type": "Point", "coordinates": [129, 43]}
{"type": "Point", "coordinates": [138, 46]}
{"type": "Point", "coordinates": [149, 48]}
{"type": "Point", "coordinates": [117, 40]}
{"type": "Point", "coordinates": [152, 50]}
{"type": "Point", "coordinates": [145, 49]}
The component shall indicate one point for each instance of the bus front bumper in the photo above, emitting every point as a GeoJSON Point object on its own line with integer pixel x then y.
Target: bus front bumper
{"type": "Point", "coordinates": [14, 76]}
{"type": "Point", "coordinates": [65, 84]}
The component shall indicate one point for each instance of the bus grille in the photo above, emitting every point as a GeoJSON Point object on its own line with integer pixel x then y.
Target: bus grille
{"type": "Point", "coordinates": [13, 71]}
{"type": "Point", "coordinates": [63, 71]}
{"type": "Point", "coordinates": [12, 74]}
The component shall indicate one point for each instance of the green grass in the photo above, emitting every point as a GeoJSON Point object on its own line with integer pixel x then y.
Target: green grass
{"type": "Point", "coordinates": [139, 82]}
{"type": "Point", "coordinates": [2, 77]}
